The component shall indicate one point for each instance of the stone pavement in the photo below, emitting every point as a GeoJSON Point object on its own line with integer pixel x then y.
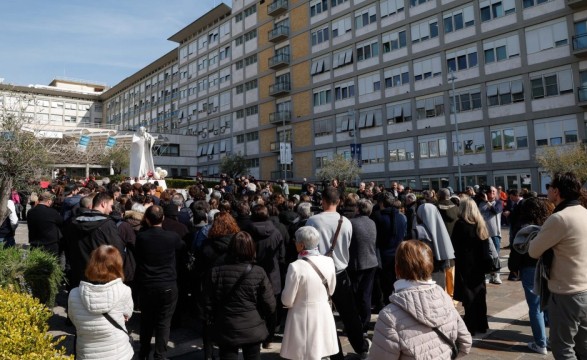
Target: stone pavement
{"type": "Point", "coordinates": [506, 340]}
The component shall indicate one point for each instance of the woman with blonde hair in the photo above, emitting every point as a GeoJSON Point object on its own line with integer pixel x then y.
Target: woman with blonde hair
{"type": "Point", "coordinates": [468, 236]}
{"type": "Point", "coordinates": [100, 307]}
{"type": "Point", "coordinates": [420, 321]}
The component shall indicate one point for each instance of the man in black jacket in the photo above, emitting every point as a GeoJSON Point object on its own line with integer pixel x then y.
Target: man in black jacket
{"type": "Point", "coordinates": [87, 232]}
{"type": "Point", "coordinates": [156, 277]}
{"type": "Point", "coordinates": [44, 224]}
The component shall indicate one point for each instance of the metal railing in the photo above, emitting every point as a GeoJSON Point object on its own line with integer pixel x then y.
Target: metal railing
{"type": "Point", "coordinates": [279, 59]}
{"type": "Point", "coordinates": [277, 7]}
{"type": "Point", "coordinates": [580, 42]}
{"type": "Point", "coordinates": [280, 87]}
{"type": "Point", "coordinates": [279, 117]}
{"type": "Point", "coordinates": [278, 31]}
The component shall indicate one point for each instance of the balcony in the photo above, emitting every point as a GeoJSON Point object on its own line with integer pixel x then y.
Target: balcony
{"type": "Point", "coordinates": [280, 88]}
{"type": "Point", "coordinates": [274, 146]}
{"type": "Point", "coordinates": [280, 117]}
{"type": "Point", "coordinates": [280, 32]}
{"type": "Point", "coordinates": [582, 96]}
{"type": "Point", "coordinates": [580, 45]}
{"type": "Point", "coordinates": [577, 4]}
{"type": "Point", "coordinates": [278, 61]}
{"type": "Point", "coordinates": [277, 7]}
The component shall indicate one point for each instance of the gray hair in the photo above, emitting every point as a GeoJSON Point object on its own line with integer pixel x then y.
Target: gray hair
{"type": "Point", "coordinates": [411, 197]}
{"type": "Point", "coordinates": [216, 194]}
{"type": "Point", "coordinates": [177, 200]}
{"type": "Point", "coordinates": [138, 207]}
{"type": "Point", "coordinates": [309, 236]}
{"type": "Point", "coordinates": [443, 194]}
{"type": "Point", "coordinates": [365, 207]}
{"type": "Point", "coordinates": [304, 210]}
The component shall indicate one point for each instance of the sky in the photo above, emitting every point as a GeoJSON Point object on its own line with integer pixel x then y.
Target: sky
{"type": "Point", "coordinates": [103, 41]}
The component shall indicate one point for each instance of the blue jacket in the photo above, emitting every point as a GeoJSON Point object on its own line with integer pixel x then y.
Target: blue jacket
{"type": "Point", "coordinates": [391, 230]}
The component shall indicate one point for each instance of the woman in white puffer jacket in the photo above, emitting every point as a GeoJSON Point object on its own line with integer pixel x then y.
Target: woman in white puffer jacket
{"type": "Point", "coordinates": [102, 292]}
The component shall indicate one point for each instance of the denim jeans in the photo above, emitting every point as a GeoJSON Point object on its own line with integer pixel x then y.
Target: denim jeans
{"type": "Point", "coordinates": [497, 242]}
{"type": "Point", "coordinates": [533, 300]}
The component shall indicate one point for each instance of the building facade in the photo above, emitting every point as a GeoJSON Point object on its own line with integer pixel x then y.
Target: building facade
{"type": "Point", "coordinates": [328, 76]}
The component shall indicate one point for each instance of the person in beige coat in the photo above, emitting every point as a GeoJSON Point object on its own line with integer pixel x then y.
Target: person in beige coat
{"type": "Point", "coordinates": [404, 327]}
{"type": "Point", "coordinates": [310, 331]}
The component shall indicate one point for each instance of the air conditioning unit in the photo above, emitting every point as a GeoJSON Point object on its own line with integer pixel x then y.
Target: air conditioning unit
{"type": "Point", "coordinates": [210, 157]}
{"type": "Point", "coordinates": [189, 117]}
{"type": "Point", "coordinates": [216, 132]}
{"type": "Point", "coordinates": [204, 134]}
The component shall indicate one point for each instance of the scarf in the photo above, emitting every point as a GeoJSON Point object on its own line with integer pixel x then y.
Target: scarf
{"type": "Point", "coordinates": [433, 231]}
{"type": "Point", "coordinates": [311, 252]}
{"type": "Point", "coordinates": [402, 284]}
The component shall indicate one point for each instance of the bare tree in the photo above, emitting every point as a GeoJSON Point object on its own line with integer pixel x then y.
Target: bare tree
{"type": "Point", "coordinates": [23, 155]}
{"type": "Point", "coordinates": [339, 168]}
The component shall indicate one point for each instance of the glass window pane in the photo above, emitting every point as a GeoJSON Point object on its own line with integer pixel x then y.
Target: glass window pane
{"type": "Point", "coordinates": [459, 21]}
{"type": "Point", "coordinates": [448, 25]}
{"type": "Point", "coordinates": [485, 13]}
{"type": "Point", "coordinates": [571, 136]}
{"type": "Point", "coordinates": [508, 139]}
{"type": "Point", "coordinates": [451, 64]}
{"type": "Point", "coordinates": [522, 142]}
{"type": "Point", "coordinates": [462, 62]}
{"type": "Point", "coordinates": [551, 85]}
{"type": "Point", "coordinates": [537, 88]}
{"type": "Point", "coordinates": [489, 56]}
{"type": "Point", "coordinates": [472, 59]}
{"type": "Point", "coordinates": [423, 150]}
{"type": "Point", "coordinates": [556, 140]}
{"type": "Point", "coordinates": [501, 53]}
{"type": "Point", "coordinates": [496, 140]}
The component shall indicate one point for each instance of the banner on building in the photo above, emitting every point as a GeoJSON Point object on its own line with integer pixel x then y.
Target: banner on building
{"type": "Point", "coordinates": [110, 143]}
{"type": "Point", "coordinates": [84, 141]}
{"type": "Point", "coordinates": [285, 153]}
{"type": "Point", "coordinates": [356, 154]}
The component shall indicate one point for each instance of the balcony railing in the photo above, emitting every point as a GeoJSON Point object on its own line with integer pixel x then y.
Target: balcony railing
{"type": "Point", "coordinates": [278, 33]}
{"type": "Point", "coordinates": [279, 117]}
{"type": "Point", "coordinates": [280, 88]}
{"type": "Point", "coordinates": [277, 7]}
{"type": "Point", "coordinates": [279, 61]}
{"type": "Point", "coordinates": [580, 44]}
{"type": "Point", "coordinates": [582, 95]}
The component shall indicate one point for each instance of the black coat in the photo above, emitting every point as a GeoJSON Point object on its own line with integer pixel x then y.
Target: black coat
{"type": "Point", "coordinates": [270, 250]}
{"type": "Point", "coordinates": [155, 253]}
{"type": "Point", "coordinates": [238, 314]}
{"type": "Point", "coordinates": [469, 277]}
{"type": "Point", "coordinates": [44, 224]}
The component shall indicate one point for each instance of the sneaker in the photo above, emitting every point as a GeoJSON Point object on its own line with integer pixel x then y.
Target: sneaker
{"type": "Point", "coordinates": [495, 279]}
{"type": "Point", "coordinates": [487, 279]}
{"type": "Point", "coordinates": [541, 350]}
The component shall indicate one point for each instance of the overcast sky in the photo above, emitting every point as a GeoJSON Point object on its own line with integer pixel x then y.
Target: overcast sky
{"type": "Point", "coordinates": [102, 40]}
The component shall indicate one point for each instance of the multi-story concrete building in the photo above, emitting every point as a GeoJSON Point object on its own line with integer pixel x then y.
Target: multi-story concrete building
{"type": "Point", "coordinates": [326, 75]}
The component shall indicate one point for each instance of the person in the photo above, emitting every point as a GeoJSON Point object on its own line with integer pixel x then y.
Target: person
{"type": "Point", "coordinates": [103, 293]}
{"type": "Point", "coordinates": [405, 325]}
{"type": "Point", "coordinates": [431, 229]}
{"type": "Point", "coordinates": [156, 279]}
{"type": "Point", "coordinates": [141, 156]}
{"type": "Point", "coordinates": [310, 330]}
{"type": "Point", "coordinates": [44, 224]}
{"type": "Point", "coordinates": [8, 226]}
{"type": "Point", "coordinates": [533, 212]}
{"type": "Point", "coordinates": [468, 235]}
{"type": "Point", "coordinates": [564, 233]}
{"type": "Point", "coordinates": [491, 208]}
{"type": "Point", "coordinates": [327, 223]}
{"type": "Point", "coordinates": [237, 299]}
{"type": "Point", "coordinates": [449, 213]}
{"type": "Point", "coordinates": [88, 231]}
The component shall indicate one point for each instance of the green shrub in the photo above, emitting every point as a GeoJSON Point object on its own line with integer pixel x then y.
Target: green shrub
{"type": "Point", "coordinates": [179, 183]}
{"type": "Point", "coordinates": [32, 271]}
{"type": "Point", "coordinates": [23, 329]}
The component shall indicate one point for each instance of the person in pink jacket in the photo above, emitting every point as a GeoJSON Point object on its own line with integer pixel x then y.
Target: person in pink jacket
{"type": "Point", "coordinates": [404, 329]}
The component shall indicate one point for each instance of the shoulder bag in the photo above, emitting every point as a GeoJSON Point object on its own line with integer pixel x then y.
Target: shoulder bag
{"type": "Point", "coordinates": [117, 325]}
{"type": "Point", "coordinates": [334, 239]}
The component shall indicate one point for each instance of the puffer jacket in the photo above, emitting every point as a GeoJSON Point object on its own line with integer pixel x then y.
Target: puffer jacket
{"type": "Point", "coordinates": [238, 314]}
{"type": "Point", "coordinates": [97, 338]}
{"type": "Point", "coordinates": [270, 250]}
{"type": "Point", "coordinates": [404, 327]}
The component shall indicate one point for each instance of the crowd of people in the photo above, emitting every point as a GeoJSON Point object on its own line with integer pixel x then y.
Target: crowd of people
{"type": "Point", "coordinates": [252, 262]}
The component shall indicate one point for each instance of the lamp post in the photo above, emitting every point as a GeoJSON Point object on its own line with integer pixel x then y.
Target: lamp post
{"type": "Point", "coordinates": [454, 112]}
{"type": "Point", "coordinates": [354, 154]}
{"type": "Point", "coordinates": [284, 147]}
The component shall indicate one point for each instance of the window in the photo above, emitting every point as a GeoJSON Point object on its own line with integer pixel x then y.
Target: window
{"type": "Point", "coordinates": [462, 59]}
{"type": "Point", "coordinates": [492, 9]}
{"type": "Point", "coordinates": [397, 76]}
{"type": "Point", "coordinates": [424, 69]}
{"type": "Point", "coordinates": [505, 139]}
{"type": "Point", "coordinates": [390, 7]}
{"type": "Point", "coordinates": [467, 100]}
{"type": "Point", "coordinates": [252, 163]}
{"type": "Point", "coordinates": [240, 114]}
{"type": "Point", "coordinates": [166, 150]}
{"type": "Point", "coordinates": [238, 41]}
{"type": "Point", "coordinates": [338, 2]}
{"type": "Point", "coordinates": [365, 16]}
{"type": "Point", "coordinates": [393, 40]}
{"type": "Point", "coordinates": [370, 118]}
{"type": "Point", "coordinates": [239, 64]}
{"type": "Point", "coordinates": [250, 10]}
{"type": "Point", "coordinates": [252, 136]}
{"type": "Point", "coordinates": [369, 83]}
{"type": "Point", "coordinates": [240, 89]}
{"type": "Point", "coordinates": [424, 30]}
{"type": "Point", "coordinates": [402, 150]}
{"type": "Point", "coordinates": [341, 26]}
{"type": "Point", "coordinates": [472, 142]}
{"type": "Point", "coordinates": [225, 53]}
{"type": "Point", "coordinates": [320, 66]}
{"type": "Point", "coordinates": [547, 36]}
{"type": "Point", "coordinates": [458, 19]}
{"type": "Point", "coordinates": [342, 58]}
{"type": "Point", "coordinates": [432, 148]}
{"type": "Point", "coordinates": [344, 91]}
{"type": "Point", "coordinates": [322, 97]}
{"type": "Point", "coordinates": [318, 7]}
{"type": "Point", "coordinates": [414, 3]}
{"type": "Point", "coordinates": [345, 122]}
{"type": "Point", "coordinates": [238, 17]}
{"type": "Point", "coordinates": [250, 85]}
{"type": "Point", "coordinates": [555, 131]}
{"type": "Point", "coordinates": [367, 50]}
{"type": "Point", "coordinates": [372, 154]}
{"type": "Point", "coordinates": [322, 127]}
{"type": "Point", "coordinates": [530, 3]}
{"type": "Point", "coordinates": [240, 139]}
{"type": "Point", "coordinates": [252, 110]}
{"type": "Point", "coordinates": [552, 84]}
{"type": "Point", "coordinates": [430, 107]}
{"type": "Point", "coordinates": [250, 35]}
{"type": "Point", "coordinates": [319, 36]}
{"type": "Point", "coordinates": [505, 93]}
{"type": "Point", "coordinates": [501, 49]}
{"type": "Point", "coordinates": [399, 113]}
{"type": "Point", "coordinates": [249, 60]}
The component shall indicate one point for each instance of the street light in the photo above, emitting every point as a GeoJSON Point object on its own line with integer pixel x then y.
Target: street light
{"type": "Point", "coordinates": [354, 154]}
{"type": "Point", "coordinates": [454, 112]}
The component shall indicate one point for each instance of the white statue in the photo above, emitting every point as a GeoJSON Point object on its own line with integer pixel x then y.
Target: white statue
{"type": "Point", "coordinates": [141, 156]}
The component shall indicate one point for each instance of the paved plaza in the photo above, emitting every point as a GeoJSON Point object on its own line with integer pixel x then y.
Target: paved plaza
{"type": "Point", "coordinates": [507, 338]}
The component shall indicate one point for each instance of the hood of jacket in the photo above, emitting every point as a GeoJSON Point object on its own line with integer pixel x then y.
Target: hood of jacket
{"type": "Point", "coordinates": [262, 229]}
{"type": "Point", "coordinates": [100, 298]}
{"type": "Point", "coordinates": [71, 201]}
{"type": "Point", "coordinates": [427, 303]}
{"type": "Point", "coordinates": [135, 215]}
{"type": "Point", "coordinates": [90, 221]}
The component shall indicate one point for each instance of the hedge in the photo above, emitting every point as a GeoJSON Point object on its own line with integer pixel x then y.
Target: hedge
{"type": "Point", "coordinates": [23, 329]}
